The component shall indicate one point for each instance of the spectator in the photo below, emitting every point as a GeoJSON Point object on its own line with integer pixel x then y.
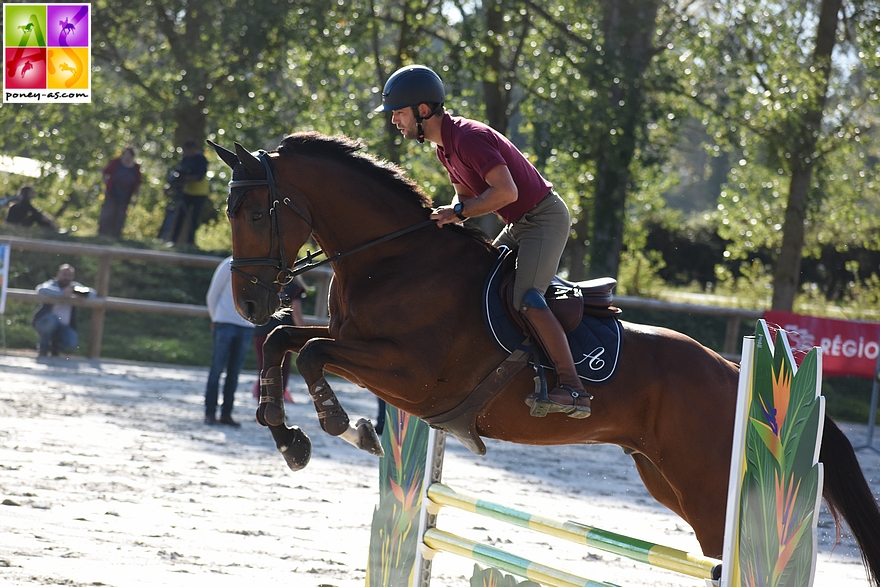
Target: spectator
{"type": "Point", "coordinates": [56, 323]}
{"type": "Point", "coordinates": [190, 189]}
{"type": "Point", "coordinates": [232, 339]}
{"type": "Point", "coordinates": [24, 213]}
{"type": "Point", "coordinates": [291, 297]}
{"type": "Point", "coordinates": [122, 177]}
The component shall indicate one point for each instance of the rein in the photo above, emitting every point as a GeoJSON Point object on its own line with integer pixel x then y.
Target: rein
{"type": "Point", "coordinates": [286, 273]}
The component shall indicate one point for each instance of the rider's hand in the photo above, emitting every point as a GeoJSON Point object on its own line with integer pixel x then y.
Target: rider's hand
{"type": "Point", "coordinates": [444, 215]}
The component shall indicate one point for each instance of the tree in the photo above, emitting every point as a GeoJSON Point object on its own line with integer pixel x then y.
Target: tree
{"type": "Point", "coordinates": [609, 87]}
{"type": "Point", "coordinates": [792, 83]}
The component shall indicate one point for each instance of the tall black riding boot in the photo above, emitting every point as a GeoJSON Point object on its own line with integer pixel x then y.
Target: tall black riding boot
{"type": "Point", "coordinates": [569, 395]}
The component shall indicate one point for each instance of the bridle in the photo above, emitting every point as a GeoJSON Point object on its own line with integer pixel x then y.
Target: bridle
{"type": "Point", "coordinates": [286, 273]}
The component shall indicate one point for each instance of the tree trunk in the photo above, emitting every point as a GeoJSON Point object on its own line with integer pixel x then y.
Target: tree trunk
{"type": "Point", "coordinates": [191, 123]}
{"type": "Point", "coordinates": [628, 27]}
{"type": "Point", "coordinates": [495, 96]}
{"type": "Point", "coordinates": [576, 250]}
{"type": "Point", "coordinates": [786, 273]}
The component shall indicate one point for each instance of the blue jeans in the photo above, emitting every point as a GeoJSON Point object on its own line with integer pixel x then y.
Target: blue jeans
{"type": "Point", "coordinates": [231, 345]}
{"type": "Point", "coordinates": [51, 330]}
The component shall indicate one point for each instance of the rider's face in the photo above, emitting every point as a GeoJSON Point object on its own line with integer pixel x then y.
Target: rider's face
{"type": "Point", "coordinates": [405, 121]}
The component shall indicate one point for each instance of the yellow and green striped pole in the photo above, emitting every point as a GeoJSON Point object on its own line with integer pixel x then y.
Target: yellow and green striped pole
{"type": "Point", "coordinates": [441, 540]}
{"type": "Point", "coordinates": [693, 565]}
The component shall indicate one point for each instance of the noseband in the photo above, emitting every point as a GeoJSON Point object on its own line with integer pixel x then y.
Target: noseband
{"type": "Point", "coordinates": [286, 273]}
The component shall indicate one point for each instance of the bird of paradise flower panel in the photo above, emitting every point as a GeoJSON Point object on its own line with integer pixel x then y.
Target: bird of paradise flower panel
{"type": "Point", "coordinates": [395, 527]}
{"type": "Point", "coordinates": [494, 578]}
{"type": "Point", "coordinates": [782, 478]}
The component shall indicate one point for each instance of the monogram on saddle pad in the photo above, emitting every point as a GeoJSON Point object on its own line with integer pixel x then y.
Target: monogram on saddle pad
{"type": "Point", "coordinates": [584, 309]}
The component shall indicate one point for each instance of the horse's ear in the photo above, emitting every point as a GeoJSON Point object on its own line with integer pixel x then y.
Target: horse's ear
{"type": "Point", "coordinates": [228, 156]}
{"type": "Point", "coordinates": [250, 162]}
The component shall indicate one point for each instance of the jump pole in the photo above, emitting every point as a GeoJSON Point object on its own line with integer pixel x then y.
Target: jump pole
{"type": "Point", "coordinates": [693, 565]}
{"type": "Point", "coordinates": [765, 370]}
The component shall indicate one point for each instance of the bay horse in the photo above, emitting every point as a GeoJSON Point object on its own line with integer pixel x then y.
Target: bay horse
{"type": "Point", "coordinates": [406, 323]}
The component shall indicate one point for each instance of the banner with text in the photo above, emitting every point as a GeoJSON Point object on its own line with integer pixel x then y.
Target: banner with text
{"type": "Point", "coordinates": [848, 348]}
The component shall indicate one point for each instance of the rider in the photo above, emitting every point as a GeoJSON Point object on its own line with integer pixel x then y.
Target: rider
{"type": "Point", "coordinates": [489, 174]}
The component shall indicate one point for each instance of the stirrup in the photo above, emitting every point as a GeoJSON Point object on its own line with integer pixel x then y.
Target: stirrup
{"type": "Point", "coordinates": [541, 405]}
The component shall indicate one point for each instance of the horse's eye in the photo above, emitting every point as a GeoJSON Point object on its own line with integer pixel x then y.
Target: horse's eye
{"type": "Point", "coordinates": [257, 216]}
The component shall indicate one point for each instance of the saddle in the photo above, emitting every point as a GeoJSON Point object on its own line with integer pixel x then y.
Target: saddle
{"type": "Point", "coordinates": [569, 301]}
{"type": "Point", "coordinates": [587, 315]}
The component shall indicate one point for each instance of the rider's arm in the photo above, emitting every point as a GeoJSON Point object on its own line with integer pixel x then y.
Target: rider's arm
{"type": "Point", "coordinates": [462, 193]}
{"type": "Point", "coordinates": [501, 192]}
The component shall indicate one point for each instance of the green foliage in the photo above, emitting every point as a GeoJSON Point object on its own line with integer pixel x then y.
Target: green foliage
{"type": "Point", "coordinates": [847, 399]}
{"type": "Point", "coordinates": [638, 273]}
{"type": "Point", "coordinates": [700, 108]}
{"type": "Point", "coordinates": [792, 116]}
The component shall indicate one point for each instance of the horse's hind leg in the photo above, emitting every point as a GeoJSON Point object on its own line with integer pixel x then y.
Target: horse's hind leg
{"type": "Point", "coordinates": [655, 482]}
{"type": "Point", "coordinates": [698, 510]}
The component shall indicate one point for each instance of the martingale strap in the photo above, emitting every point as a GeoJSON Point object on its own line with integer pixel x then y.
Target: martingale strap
{"type": "Point", "coordinates": [306, 264]}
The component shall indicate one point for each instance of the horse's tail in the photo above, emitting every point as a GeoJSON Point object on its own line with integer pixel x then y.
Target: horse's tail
{"type": "Point", "coordinates": [848, 496]}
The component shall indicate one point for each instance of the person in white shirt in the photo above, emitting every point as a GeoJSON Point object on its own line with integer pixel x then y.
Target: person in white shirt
{"type": "Point", "coordinates": [56, 323]}
{"type": "Point", "coordinates": [232, 340]}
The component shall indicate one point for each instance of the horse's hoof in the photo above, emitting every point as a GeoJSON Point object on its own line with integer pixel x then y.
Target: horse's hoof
{"type": "Point", "coordinates": [295, 447]}
{"type": "Point", "coordinates": [368, 440]}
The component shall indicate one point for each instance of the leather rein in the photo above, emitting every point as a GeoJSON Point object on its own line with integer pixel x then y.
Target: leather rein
{"type": "Point", "coordinates": [286, 273]}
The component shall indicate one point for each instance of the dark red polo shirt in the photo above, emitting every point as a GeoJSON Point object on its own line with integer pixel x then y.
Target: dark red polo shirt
{"type": "Point", "coordinates": [472, 149]}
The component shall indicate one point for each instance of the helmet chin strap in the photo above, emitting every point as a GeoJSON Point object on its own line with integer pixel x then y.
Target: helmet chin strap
{"type": "Point", "coordinates": [419, 119]}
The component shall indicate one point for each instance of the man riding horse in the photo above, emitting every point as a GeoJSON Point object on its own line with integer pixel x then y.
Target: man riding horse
{"type": "Point", "coordinates": [489, 174]}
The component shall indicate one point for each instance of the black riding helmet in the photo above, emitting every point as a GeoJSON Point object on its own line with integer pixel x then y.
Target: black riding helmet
{"type": "Point", "coordinates": [410, 86]}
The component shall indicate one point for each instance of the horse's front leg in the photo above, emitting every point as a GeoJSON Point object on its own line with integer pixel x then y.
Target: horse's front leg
{"type": "Point", "coordinates": [334, 420]}
{"type": "Point", "coordinates": [362, 362]}
{"type": "Point", "coordinates": [281, 340]}
{"type": "Point", "coordinates": [293, 443]}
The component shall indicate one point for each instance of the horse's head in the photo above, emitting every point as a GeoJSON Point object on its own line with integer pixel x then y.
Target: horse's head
{"type": "Point", "coordinates": [267, 232]}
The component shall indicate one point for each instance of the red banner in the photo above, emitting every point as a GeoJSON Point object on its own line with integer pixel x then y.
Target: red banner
{"type": "Point", "coordinates": [848, 348]}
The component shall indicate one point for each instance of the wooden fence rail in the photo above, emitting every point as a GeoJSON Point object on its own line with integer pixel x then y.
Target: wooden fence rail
{"type": "Point", "coordinates": [102, 302]}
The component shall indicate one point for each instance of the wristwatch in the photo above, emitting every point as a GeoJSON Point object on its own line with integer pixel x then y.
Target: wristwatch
{"type": "Point", "coordinates": [459, 211]}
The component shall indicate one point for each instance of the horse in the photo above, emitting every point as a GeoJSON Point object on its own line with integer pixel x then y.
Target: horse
{"type": "Point", "coordinates": [406, 323]}
{"type": "Point", "coordinates": [67, 27]}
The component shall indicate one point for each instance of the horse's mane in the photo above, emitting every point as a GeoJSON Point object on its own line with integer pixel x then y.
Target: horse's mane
{"type": "Point", "coordinates": [350, 152]}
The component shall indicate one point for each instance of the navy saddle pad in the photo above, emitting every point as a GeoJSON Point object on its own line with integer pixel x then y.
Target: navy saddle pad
{"type": "Point", "coordinates": [595, 343]}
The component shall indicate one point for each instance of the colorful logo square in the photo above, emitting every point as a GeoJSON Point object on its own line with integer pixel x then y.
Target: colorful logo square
{"type": "Point", "coordinates": [67, 25]}
{"type": "Point", "coordinates": [26, 68]}
{"type": "Point", "coordinates": [47, 53]}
